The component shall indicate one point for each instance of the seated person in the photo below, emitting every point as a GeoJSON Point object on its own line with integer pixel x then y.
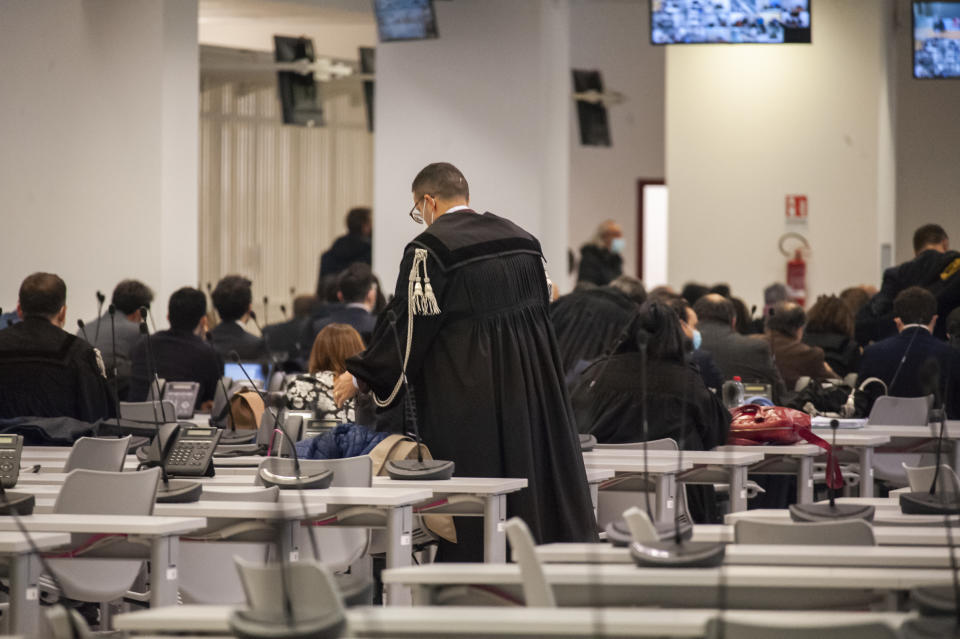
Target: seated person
{"type": "Point", "coordinates": [181, 353]}
{"type": "Point", "coordinates": [233, 299]}
{"type": "Point", "coordinates": [793, 358]}
{"type": "Point", "coordinates": [357, 294]}
{"type": "Point", "coordinates": [699, 358]}
{"type": "Point", "coordinates": [934, 267]}
{"type": "Point", "coordinates": [735, 354]}
{"type": "Point", "coordinates": [314, 391]}
{"type": "Point", "coordinates": [830, 327]}
{"type": "Point", "coordinates": [129, 296]}
{"type": "Point", "coordinates": [953, 328]}
{"type": "Point", "coordinates": [608, 400]}
{"type": "Point", "coordinates": [284, 337]}
{"type": "Point", "coordinates": [904, 361]}
{"type": "Point", "coordinates": [44, 370]}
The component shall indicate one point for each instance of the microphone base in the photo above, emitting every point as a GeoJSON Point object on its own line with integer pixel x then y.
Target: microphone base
{"type": "Point", "coordinates": [316, 481]}
{"type": "Point", "coordinates": [587, 443]}
{"type": "Point", "coordinates": [179, 491]}
{"type": "Point", "coordinates": [926, 504]}
{"type": "Point", "coordinates": [247, 624]}
{"type": "Point", "coordinates": [412, 469]}
{"type": "Point", "coordinates": [930, 628]}
{"type": "Point", "coordinates": [934, 601]}
{"type": "Point", "coordinates": [234, 438]}
{"type": "Point", "coordinates": [618, 533]}
{"type": "Point", "coordinates": [17, 504]}
{"type": "Point", "coordinates": [669, 554]}
{"type": "Point", "coordinates": [812, 513]}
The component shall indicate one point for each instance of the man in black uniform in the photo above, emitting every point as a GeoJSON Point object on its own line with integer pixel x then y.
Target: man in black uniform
{"type": "Point", "coordinates": [44, 370]}
{"type": "Point", "coordinates": [482, 361]}
{"type": "Point", "coordinates": [233, 300]}
{"type": "Point", "coordinates": [181, 354]}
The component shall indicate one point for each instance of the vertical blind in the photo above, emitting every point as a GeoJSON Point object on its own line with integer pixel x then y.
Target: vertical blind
{"type": "Point", "coordinates": [273, 197]}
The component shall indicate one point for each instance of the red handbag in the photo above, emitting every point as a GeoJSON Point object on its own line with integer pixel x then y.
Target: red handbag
{"type": "Point", "coordinates": [754, 425]}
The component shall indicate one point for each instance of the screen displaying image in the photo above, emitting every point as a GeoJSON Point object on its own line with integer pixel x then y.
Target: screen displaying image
{"type": "Point", "coordinates": [405, 19]}
{"type": "Point", "coordinates": [254, 369]}
{"type": "Point", "coordinates": [936, 39]}
{"type": "Point", "coordinates": [729, 21]}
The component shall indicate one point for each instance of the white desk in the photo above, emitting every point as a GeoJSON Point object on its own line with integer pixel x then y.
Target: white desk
{"type": "Point", "coordinates": [883, 517]}
{"type": "Point", "coordinates": [22, 569]}
{"type": "Point", "coordinates": [163, 534]}
{"type": "Point", "coordinates": [796, 459]}
{"type": "Point", "coordinates": [884, 535]}
{"type": "Point", "coordinates": [468, 622]}
{"type": "Point", "coordinates": [900, 435]}
{"type": "Point", "coordinates": [734, 465]}
{"type": "Point", "coordinates": [663, 473]}
{"type": "Point", "coordinates": [745, 586]}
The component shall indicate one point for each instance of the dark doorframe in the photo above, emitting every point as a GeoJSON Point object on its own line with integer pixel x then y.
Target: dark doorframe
{"type": "Point", "coordinates": [640, 211]}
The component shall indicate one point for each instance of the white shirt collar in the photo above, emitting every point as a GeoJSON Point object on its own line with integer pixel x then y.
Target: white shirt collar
{"type": "Point", "coordinates": [461, 207]}
{"type": "Point", "coordinates": [356, 305]}
{"type": "Point", "coordinates": [923, 326]}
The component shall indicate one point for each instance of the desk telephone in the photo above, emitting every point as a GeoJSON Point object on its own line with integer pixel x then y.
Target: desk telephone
{"type": "Point", "coordinates": [191, 452]}
{"type": "Point", "coordinates": [11, 447]}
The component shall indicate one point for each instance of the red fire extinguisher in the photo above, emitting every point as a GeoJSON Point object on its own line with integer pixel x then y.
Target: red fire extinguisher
{"type": "Point", "coordinates": [796, 268]}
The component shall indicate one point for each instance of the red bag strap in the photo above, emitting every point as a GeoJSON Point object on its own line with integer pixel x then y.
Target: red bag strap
{"type": "Point", "coordinates": [834, 476]}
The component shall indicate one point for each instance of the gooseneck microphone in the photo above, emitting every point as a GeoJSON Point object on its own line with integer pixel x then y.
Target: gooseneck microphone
{"type": "Point", "coordinates": [266, 310]}
{"type": "Point", "coordinates": [266, 342]}
{"type": "Point", "coordinates": [112, 310]}
{"type": "Point", "coordinates": [283, 311]}
{"type": "Point", "coordinates": [101, 298]}
{"type": "Point", "coordinates": [84, 330]}
{"type": "Point", "coordinates": [152, 370]}
{"type": "Point", "coordinates": [153, 325]}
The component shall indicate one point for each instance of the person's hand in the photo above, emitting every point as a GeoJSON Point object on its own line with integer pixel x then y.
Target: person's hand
{"type": "Point", "coordinates": [343, 389]}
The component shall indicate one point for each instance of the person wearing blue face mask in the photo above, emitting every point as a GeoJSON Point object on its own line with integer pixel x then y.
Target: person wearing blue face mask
{"type": "Point", "coordinates": [699, 358]}
{"type": "Point", "coordinates": [601, 259]}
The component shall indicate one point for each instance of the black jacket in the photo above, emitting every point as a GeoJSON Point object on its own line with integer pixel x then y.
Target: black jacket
{"type": "Point", "coordinates": [47, 372]}
{"type": "Point", "coordinates": [230, 336]}
{"type": "Point", "coordinates": [739, 355]}
{"type": "Point", "coordinates": [599, 265]}
{"type": "Point", "coordinates": [841, 351]}
{"type": "Point", "coordinates": [344, 251]}
{"type": "Point", "coordinates": [359, 318]}
{"type": "Point", "coordinates": [180, 356]}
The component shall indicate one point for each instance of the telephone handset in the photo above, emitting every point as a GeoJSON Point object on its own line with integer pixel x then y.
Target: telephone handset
{"type": "Point", "coordinates": [191, 452]}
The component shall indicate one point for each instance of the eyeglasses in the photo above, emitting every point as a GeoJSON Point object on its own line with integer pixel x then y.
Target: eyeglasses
{"type": "Point", "coordinates": [415, 214]}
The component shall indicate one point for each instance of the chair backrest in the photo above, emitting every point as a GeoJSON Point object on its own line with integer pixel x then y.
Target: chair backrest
{"type": "Point", "coordinates": [536, 591]}
{"type": "Point", "coordinates": [152, 392]}
{"type": "Point", "coordinates": [149, 412]}
{"type": "Point", "coordinates": [261, 494]}
{"type": "Point", "coordinates": [920, 478]}
{"type": "Point", "coordinates": [349, 472]}
{"type": "Point", "coordinates": [832, 533]}
{"type": "Point", "coordinates": [292, 426]}
{"type": "Point", "coordinates": [725, 629]}
{"type": "Point", "coordinates": [641, 528]}
{"type": "Point", "coordinates": [900, 411]}
{"type": "Point", "coordinates": [310, 587]}
{"type": "Point", "coordinates": [95, 492]}
{"type": "Point", "coordinates": [276, 382]}
{"type": "Point", "coordinates": [98, 453]}
{"type": "Point", "coordinates": [654, 444]}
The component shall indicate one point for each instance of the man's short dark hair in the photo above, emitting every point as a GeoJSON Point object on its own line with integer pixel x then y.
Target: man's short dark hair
{"type": "Point", "coordinates": [232, 297]}
{"type": "Point", "coordinates": [186, 308]}
{"type": "Point", "coordinates": [693, 291]}
{"type": "Point", "coordinates": [926, 235]}
{"type": "Point", "coordinates": [786, 318]}
{"type": "Point", "coordinates": [441, 180]}
{"type": "Point", "coordinates": [915, 305]}
{"type": "Point", "coordinates": [130, 295]}
{"type": "Point", "coordinates": [953, 325]}
{"type": "Point", "coordinates": [357, 218]}
{"type": "Point", "coordinates": [631, 287]}
{"type": "Point", "coordinates": [355, 282]}
{"type": "Point", "coordinates": [714, 308]}
{"type": "Point", "coordinates": [42, 295]}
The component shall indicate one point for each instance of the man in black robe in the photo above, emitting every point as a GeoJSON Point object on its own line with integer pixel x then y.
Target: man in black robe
{"type": "Point", "coordinates": [44, 370]}
{"type": "Point", "coordinates": [482, 362]}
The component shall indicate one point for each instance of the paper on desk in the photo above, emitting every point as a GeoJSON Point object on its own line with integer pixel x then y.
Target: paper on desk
{"type": "Point", "coordinates": [824, 422]}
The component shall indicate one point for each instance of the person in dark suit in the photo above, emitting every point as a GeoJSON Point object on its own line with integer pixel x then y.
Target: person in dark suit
{"type": "Point", "coordinates": [699, 357]}
{"type": "Point", "coordinates": [830, 326]}
{"type": "Point", "coordinates": [233, 299]}
{"type": "Point", "coordinates": [601, 259]}
{"type": "Point", "coordinates": [953, 328]}
{"type": "Point", "coordinates": [181, 353]}
{"type": "Point", "coordinates": [357, 294]}
{"type": "Point", "coordinates": [793, 358]}
{"type": "Point", "coordinates": [44, 370]}
{"type": "Point", "coordinates": [906, 362]}
{"type": "Point", "coordinates": [349, 248]}
{"type": "Point", "coordinates": [935, 267]}
{"type": "Point", "coordinates": [284, 338]}
{"type": "Point", "coordinates": [735, 354]}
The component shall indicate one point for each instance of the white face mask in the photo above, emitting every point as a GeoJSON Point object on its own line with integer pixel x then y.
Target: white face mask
{"type": "Point", "coordinates": [617, 245]}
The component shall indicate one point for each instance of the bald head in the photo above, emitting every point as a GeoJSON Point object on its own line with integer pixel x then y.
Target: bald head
{"type": "Point", "coordinates": [713, 307]}
{"type": "Point", "coordinates": [786, 318]}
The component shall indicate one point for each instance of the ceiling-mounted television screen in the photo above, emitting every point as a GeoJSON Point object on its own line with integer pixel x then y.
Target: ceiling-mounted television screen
{"type": "Point", "coordinates": [729, 21]}
{"type": "Point", "coordinates": [936, 39]}
{"type": "Point", "coordinates": [405, 19]}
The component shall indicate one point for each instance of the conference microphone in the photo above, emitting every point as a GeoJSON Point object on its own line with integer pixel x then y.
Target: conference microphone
{"type": "Point", "coordinates": [83, 330]}
{"type": "Point", "coordinates": [112, 310]}
{"type": "Point", "coordinates": [152, 369]}
{"type": "Point", "coordinates": [266, 343]}
{"type": "Point", "coordinates": [283, 311]}
{"type": "Point", "coordinates": [418, 469]}
{"type": "Point", "coordinates": [153, 325]}
{"type": "Point", "coordinates": [101, 298]}
{"type": "Point", "coordinates": [266, 310]}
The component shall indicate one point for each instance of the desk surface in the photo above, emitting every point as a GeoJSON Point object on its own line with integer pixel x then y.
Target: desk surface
{"type": "Point", "coordinates": [883, 517]}
{"type": "Point", "coordinates": [952, 430]}
{"type": "Point", "coordinates": [770, 555]}
{"type": "Point", "coordinates": [630, 464]}
{"type": "Point", "coordinates": [15, 543]}
{"type": "Point", "coordinates": [221, 510]}
{"type": "Point", "coordinates": [697, 457]}
{"type": "Point", "coordinates": [475, 485]}
{"type": "Point", "coordinates": [885, 535]}
{"type": "Point", "coordinates": [865, 437]}
{"type": "Point", "coordinates": [148, 526]}
{"type": "Point", "coordinates": [628, 575]}
{"type": "Point", "coordinates": [454, 621]}
{"type": "Point", "coordinates": [794, 450]}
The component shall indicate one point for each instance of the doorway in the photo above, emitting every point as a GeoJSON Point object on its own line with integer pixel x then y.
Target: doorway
{"type": "Point", "coordinates": [652, 204]}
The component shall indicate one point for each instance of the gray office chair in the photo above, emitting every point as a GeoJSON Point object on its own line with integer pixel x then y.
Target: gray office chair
{"type": "Point", "coordinates": [536, 591]}
{"type": "Point", "coordinates": [93, 492]}
{"type": "Point", "coordinates": [724, 629]}
{"type": "Point", "coordinates": [920, 477]}
{"type": "Point", "coordinates": [900, 411]}
{"type": "Point", "coordinates": [149, 412]}
{"type": "Point", "coordinates": [98, 453]}
{"type": "Point", "coordinates": [839, 533]}
{"type": "Point", "coordinates": [654, 444]}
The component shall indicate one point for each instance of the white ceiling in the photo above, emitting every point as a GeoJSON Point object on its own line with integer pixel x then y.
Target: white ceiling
{"type": "Point", "coordinates": [337, 27]}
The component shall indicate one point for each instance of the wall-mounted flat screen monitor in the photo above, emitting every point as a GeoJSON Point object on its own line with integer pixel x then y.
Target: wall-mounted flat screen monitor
{"type": "Point", "coordinates": [405, 19]}
{"type": "Point", "coordinates": [936, 39]}
{"type": "Point", "coordinates": [729, 21]}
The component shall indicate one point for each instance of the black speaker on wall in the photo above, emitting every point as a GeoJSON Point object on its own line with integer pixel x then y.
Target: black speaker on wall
{"type": "Point", "coordinates": [299, 98]}
{"type": "Point", "coordinates": [368, 66]}
{"type": "Point", "coordinates": [591, 116]}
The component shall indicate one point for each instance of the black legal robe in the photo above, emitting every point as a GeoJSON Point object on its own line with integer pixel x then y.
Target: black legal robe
{"type": "Point", "coordinates": [486, 374]}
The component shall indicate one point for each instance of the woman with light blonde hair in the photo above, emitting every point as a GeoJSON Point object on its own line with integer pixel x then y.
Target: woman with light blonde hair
{"type": "Point", "coordinates": [334, 344]}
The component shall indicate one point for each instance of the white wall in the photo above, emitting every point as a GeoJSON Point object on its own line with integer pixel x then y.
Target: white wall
{"type": "Point", "coordinates": [491, 96]}
{"type": "Point", "coordinates": [749, 124]}
{"type": "Point", "coordinates": [98, 156]}
{"type": "Point", "coordinates": [928, 147]}
{"type": "Point", "coordinates": [613, 37]}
